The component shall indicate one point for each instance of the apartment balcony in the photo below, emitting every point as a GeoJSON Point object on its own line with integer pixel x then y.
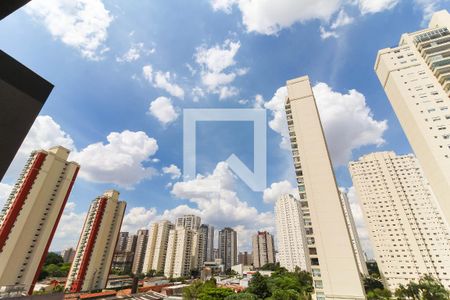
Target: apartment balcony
{"type": "Point", "coordinates": [434, 46]}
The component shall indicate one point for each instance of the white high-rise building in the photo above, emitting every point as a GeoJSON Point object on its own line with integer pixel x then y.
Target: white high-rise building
{"type": "Point", "coordinates": [357, 249]}
{"type": "Point", "coordinates": [139, 252]}
{"type": "Point", "coordinates": [263, 249]}
{"type": "Point", "coordinates": [416, 78]}
{"type": "Point", "coordinates": [155, 255]}
{"type": "Point", "coordinates": [406, 228]}
{"type": "Point", "coordinates": [329, 251]}
{"type": "Point", "coordinates": [290, 233]}
{"type": "Point", "coordinates": [182, 252]}
{"type": "Point", "coordinates": [95, 250]}
{"type": "Point", "coordinates": [190, 222]}
{"type": "Point", "coordinates": [30, 216]}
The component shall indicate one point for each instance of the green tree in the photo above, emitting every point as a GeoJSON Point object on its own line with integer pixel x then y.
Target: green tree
{"type": "Point", "coordinates": [379, 294]}
{"type": "Point", "coordinates": [242, 296]}
{"type": "Point", "coordinates": [53, 259]}
{"type": "Point", "coordinates": [281, 294]}
{"type": "Point", "coordinates": [214, 293]}
{"type": "Point", "coordinates": [259, 286]}
{"type": "Point", "coordinates": [428, 288]}
{"type": "Point", "coordinates": [372, 283]}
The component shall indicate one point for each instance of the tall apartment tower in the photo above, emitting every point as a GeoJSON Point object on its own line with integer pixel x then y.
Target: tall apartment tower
{"type": "Point", "coordinates": [263, 249]}
{"type": "Point", "coordinates": [31, 214]}
{"type": "Point", "coordinates": [155, 255]}
{"type": "Point", "coordinates": [68, 255]}
{"type": "Point", "coordinates": [122, 241]}
{"type": "Point", "coordinates": [190, 222]}
{"type": "Point", "coordinates": [245, 258]}
{"type": "Point", "coordinates": [329, 254]}
{"type": "Point", "coordinates": [290, 233]}
{"type": "Point", "coordinates": [139, 253]}
{"type": "Point", "coordinates": [182, 252]}
{"type": "Point", "coordinates": [228, 247]}
{"type": "Point", "coordinates": [95, 250]}
{"type": "Point", "coordinates": [357, 249]}
{"type": "Point", "coordinates": [406, 227]}
{"type": "Point", "coordinates": [415, 78]}
{"type": "Point", "coordinates": [207, 245]}
{"type": "Point", "coordinates": [131, 243]}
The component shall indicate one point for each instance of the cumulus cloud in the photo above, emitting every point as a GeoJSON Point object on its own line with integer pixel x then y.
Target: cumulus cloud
{"type": "Point", "coordinates": [138, 218]}
{"type": "Point", "coordinates": [134, 53]}
{"type": "Point", "coordinates": [325, 34]}
{"type": "Point", "coordinates": [5, 190]}
{"type": "Point", "coordinates": [120, 161]}
{"type": "Point", "coordinates": [162, 109]}
{"type": "Point", "coordinates": [343, 135]}
{"type": "Point", "coordinates": [375, 6]}
{"type": "Point", "coordinates": [217, 70]}
{"type": "Point", "coordinates": [173, 171]}
{"type": "Point", "coordinates": [269, 17]}
{"type": "Point", "coordinates": [342, 19]}
{"type": "Point", "coordinates": [81, 24]}
{"type": "Point", "coordinates": [163, 80]}
{"type": "Point", "coordinates": [277, 189]}
{"type": "Point", "coordinates": [69, 228]}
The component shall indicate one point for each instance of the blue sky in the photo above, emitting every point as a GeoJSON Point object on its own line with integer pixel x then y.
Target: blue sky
{"type": "Point", "coordinates": [124, 71]}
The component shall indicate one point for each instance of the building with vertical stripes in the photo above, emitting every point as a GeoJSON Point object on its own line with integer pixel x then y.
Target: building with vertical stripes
{"type": "Point", "coordinates": [416, 78]}
{"type": "Point", "coordinates": [182, 252]}
{"type": "Point", "coordinates": [31, 214]}
{"type": "Point", "coordinates": [329, 252]}
{"type": "Point", "coordinates": [263, 249]}
{"type": "Point", "coordinates": [406, 227]}
{"type": "Point", "coordinates": [155, 255]}
{"type": "Point", "coordinates": [95, 250]}
{"type": "Point", "coordinates": [207, 243]}
{"type": "Point", "coordinates": [139, 252]}
{"type": "Point", "coordinates": [228, 247]}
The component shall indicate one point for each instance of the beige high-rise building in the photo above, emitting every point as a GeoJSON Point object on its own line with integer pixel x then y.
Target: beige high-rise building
{"type": "Point", "coordinates": [68, 255]}
{"type": "Point", "coordinates": [228, 247]}
{"type": "Point", "coordinates": [182, 252]}
{"type": "Point", "coordinates": [406, 228]}
{"type": "Point", "coordinates": [207, 243]}
{"type": "Point", "coordinates": [190, 222]}
{"type": "Point", "coordinates": [357, 249]}
{"type": "Point", "coordinates": [416, 78]}
{"type": "Point", "coordinates": [263, 249]}
{"type": "Point", "coordinates": [329, 251]}
{"type": "Point", "coordinates": [95, 250]}
{"type": "Point", "coordinates": [30, 216]}
{"type": "Point", "coordinates": [139, 252]}
{"type": "Point", "coordinates": [155, 255]}
{"type": "Point", "coordinates": [290, 233]}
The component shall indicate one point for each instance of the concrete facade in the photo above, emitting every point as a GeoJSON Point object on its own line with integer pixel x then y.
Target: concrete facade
{"type": "Point", "coordinates": [263, 249]}
{"type": "Point", "coordinates": [228, 247]}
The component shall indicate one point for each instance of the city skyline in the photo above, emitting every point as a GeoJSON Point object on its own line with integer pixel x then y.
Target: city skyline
{"type": "Point", "coordinates": [153, 139]}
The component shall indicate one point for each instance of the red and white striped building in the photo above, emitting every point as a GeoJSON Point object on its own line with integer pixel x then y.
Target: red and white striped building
{"type": "Point", "coordinates": [30, 216]}
{"type": "Point", "coordinates": [95, 250]}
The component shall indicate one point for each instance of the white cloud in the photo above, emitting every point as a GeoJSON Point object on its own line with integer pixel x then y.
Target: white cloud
{"type": "Point", "coordinates": [216, 68]}
{"type": "Point", "coordinates": [269, 17]}
{"type": "Point", "coordinates": [81, 24]}
{"type": "Point", "coordinates": [375, 6]}
{"type": "Point", "coordinates": [429, 7]}
{"type": "Point", "coordinates": [358, 128]}
{"type": "Point", "coordinates": [162, 109]}
{"type": "Point", "coordinates": [218, 204]}
{"type": "Point", "coordinates": [277, 189]}
{"type": "Point", "coordinates": [173, 170]}
{"type": "Point", "coordinates": [134, 53]}
{"type": "Point", "coordinates": [5, 190]}
{"type": "Point", "coordinates": [120, 161]}
{"type": "Point", "coordinates": [259, 102]}
{"type": "Point", "coordinates": [138, 218]}
{"type": "Point", "coordinates": [69, 228]}
{"type": "Point", "coordinates": [359, 221]}
{"type": "Point", "coordinates": [163, 80]}
{"type": "Point", "coordinates": [341, 20]}
{"type": "Point", "coordinates": [324, 34]}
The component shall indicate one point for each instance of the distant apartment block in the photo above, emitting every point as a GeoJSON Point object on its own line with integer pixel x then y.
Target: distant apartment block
{"type": "Point", "coordinates": [190, 222]}
{"type": "Point", "coordinates": [93, 258]}
{"type": "Point", "coordinates": [155, 255]}
{"type": "Point", "coordinates": [290, 233]}
{"type": "Point", "coordinates": [329, 252]}
{"type": "Point", "coordinates": [263, 249]}
{"type": "Point", "coordinates": [139, 253]}
{"type": "Point", "coordinates": [406, 228]}
{"type": "Point", "coordinates": [416, 78]}
{"type": "Point", "coordinates": [245, 258]}
{"type": "Point", "coordinates": [207, 244]}
{"type": "Point", "coordinates": [182, 252]}
{"type": "Point", "coordinates": [228, 247]}
{"type": "Point", "coordinates": [31, 214]}
{"type": "Point", "coordinates": [68, 255]}
{"type": "Point", "coordinates": [122, 242]}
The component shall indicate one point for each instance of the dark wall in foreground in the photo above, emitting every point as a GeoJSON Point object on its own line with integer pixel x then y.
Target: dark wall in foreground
{"type": "Point", "coordinates": [22, 95]}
